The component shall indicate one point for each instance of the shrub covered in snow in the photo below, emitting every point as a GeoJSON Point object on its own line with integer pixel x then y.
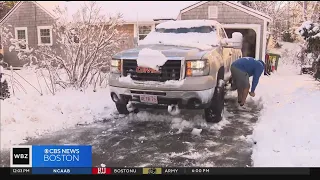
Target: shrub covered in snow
{"type": "Point", "coordinates": [4, 90]}
{"type": "Point", "coordinates": [311, 34]}
{"type": "Point", "coordinates": [4, 87]}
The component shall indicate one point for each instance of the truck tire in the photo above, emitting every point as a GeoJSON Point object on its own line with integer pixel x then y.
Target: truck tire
{"type": "Point", "coordinates": [122, 108]}
{"type": "Point", "coordinates": [213, 114]}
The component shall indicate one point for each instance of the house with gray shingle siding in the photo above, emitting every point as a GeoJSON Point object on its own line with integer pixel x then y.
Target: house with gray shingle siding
{"type": "Point", "coordinates": [33, 21]}
{"type": "Point", "coordinates": [30, 22]}
{"type": "Point", "coordinates": [234, 17]}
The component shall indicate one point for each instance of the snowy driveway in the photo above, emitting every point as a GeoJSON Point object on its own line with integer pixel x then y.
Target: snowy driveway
{"type": "Point", "coordinates": [158, 139]}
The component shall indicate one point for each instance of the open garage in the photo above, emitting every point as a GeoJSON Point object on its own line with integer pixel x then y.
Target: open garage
{"type": "Point", "coordinates": [234, 17]}
{"type": "Point", "coordinates": [251, 34]}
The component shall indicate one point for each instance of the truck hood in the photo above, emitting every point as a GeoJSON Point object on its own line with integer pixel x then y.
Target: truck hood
{"type": "Point", "coordinates": [172, 52]}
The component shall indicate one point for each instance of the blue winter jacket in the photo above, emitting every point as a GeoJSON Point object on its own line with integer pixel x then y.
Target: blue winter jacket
{"type": "Point", "coordinates": [252, 67]}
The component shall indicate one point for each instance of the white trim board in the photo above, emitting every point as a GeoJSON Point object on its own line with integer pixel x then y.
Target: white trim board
{"type": "Point", "coordinates": [234, 5]}
{"type": "Point", "coordinates": [255, 27]}
{"type": "Point", "coordinates": [39, 37]}
{"type": "Point", "coordinates": [264, 40]}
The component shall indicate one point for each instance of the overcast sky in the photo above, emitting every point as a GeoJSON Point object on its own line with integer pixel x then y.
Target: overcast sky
{"type": "Point", "coordinates": [131, 10]}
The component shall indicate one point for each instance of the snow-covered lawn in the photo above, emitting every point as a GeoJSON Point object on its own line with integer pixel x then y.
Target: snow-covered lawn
{"type": "Point", "coordinates": [30, 115]}
{"type": "Point", "coordinates": [287, 133]}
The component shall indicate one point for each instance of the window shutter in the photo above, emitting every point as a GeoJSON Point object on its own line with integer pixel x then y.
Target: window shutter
{"type": "Point", "coordinates": [212, 12]}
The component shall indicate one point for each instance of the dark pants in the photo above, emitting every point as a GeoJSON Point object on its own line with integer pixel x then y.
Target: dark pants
{"type": "Point", "coordinates": [240, 79]}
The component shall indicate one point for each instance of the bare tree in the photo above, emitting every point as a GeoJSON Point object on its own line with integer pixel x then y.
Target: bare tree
{"type": "Point", "coordinates": [86, 42]}
{"type": "Point", "coordinates": [275, 9]}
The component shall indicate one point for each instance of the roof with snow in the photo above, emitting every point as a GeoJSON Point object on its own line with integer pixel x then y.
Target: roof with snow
{"type": "Point", "coordinates": [132, 11]}
{"type": "Point", "coordinates": [234, 4]}
{"type": "Point", "coordinates": [186, 24]}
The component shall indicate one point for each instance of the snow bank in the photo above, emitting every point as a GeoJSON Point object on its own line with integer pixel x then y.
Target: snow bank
{"type": "Point", "coordinates": [186, 24]}
{"type": "Point", "coordinates": [151, 58]}
{"type": "Point", "coordinates": [25, 116]}
{"type": "Point", "coordinates": [202, 41]}
{"type": "Point", "coordinates": [287, 131]}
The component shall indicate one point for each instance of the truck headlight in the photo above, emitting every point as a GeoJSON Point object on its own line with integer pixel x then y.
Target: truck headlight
{"type": "Point", "coordinates": [197, 68]}
{"type": "Point", "coordinates": [115, 66]}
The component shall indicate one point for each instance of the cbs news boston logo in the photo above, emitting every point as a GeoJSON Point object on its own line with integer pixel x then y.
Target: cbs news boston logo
{"type": "Point", "coordinates": [51, 157]}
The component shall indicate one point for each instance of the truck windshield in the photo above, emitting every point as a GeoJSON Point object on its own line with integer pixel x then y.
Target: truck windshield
{"type": "Point", "coordinates": [202, 29]}
{"type": "Point", "coordinates": [201, 37]}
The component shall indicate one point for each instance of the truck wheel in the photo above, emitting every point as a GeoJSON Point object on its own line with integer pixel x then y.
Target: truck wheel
{"type": "Point", "coordinates": [213, 114]}
{"type": "Point", "coordinates": [122, 109]}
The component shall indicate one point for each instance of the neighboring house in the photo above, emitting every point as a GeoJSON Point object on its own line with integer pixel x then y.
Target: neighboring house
{"type": "Point", "coordinates": [32, 21]}
{"type": "Point", "coordinates": [235, 18]}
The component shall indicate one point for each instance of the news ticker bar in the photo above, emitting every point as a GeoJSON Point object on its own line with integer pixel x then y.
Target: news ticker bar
{"type": "Point", "coordinates": [166, 171]}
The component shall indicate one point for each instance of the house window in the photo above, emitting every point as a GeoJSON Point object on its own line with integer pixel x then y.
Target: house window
{"type": "Point", "coordinates": [212, 12]}
{"type": "Point", "coordinates": [21, 34]}
{"type": "Point", "coordinates": [144, 30]}
{"type": "Point", "coordinates": [45, 35]}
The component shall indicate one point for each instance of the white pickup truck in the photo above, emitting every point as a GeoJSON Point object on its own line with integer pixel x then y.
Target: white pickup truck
{"type": "Point", "coordinates": [181, 65]}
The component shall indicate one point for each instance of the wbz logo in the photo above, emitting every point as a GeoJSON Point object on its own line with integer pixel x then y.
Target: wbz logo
{"type": "Point", "coordinates": [20, 156]}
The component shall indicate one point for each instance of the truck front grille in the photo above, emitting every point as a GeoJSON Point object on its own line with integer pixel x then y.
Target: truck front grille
{"type": "Point", "coordinates": [169, 71]}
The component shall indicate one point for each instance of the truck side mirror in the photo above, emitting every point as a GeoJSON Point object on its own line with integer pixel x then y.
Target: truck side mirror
{"type": "Point", "coordinates": [234, 42]}
{"type": "Point", "coordinates": [237, 39]}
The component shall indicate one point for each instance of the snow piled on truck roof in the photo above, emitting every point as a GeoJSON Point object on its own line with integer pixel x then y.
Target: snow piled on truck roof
{"type": "Point", "coordinates": [186, 24]}
{"type": "Point", "coordinates": [202, 41]}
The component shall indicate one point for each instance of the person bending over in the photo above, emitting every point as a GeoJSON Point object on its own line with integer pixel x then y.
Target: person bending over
{"type": "Point", "coordinates": [241, 70]}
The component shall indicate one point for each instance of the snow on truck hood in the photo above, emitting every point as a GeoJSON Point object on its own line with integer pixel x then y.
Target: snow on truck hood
{"type": "Point", "coordinates": [145, 56]}
{"type": "Point", "coordinates": [170, 51]}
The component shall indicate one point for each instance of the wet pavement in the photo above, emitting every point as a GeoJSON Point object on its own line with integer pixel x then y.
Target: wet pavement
{"type": "Point", "coordinates": [155, 138]}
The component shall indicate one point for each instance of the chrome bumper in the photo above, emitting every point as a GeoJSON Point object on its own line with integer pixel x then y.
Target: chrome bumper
{"type": "Point", "coordinates": [184, 97]}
